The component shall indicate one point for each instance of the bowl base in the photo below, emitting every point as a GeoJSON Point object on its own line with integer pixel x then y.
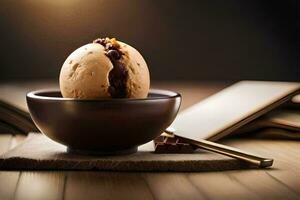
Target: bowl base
{"type": "Point", "coordinates": [130, 150]}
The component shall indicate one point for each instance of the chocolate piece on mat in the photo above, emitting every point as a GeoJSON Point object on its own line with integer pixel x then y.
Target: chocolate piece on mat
{"type": "Point", "coordinates": [172, 145]}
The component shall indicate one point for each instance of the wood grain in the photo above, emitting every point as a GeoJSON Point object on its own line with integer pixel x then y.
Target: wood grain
{"type": "Point", "coordinates": [289, 179]}
{"type": "Point", "coordinates": [260, 183]}
{"type": "Point", "coordinates": [40, 185]}
{"type": "Point", "coordinates": [218, 185]}
{"type": "Point", "coordinates": [8, 184]}
{"type": "Point", "coordinates": [284, 176]}
{"type": "Point", "coordinates": [172, 186]}
{"type": "Point", "coordinates": [101, 185]}
{"type": "Point", "coordinates": [8, 179]}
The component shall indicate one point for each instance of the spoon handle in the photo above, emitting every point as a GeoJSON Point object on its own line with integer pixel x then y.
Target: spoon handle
{"type": "Point", "coordinates": [224, 150]}
{"type": "Point", "coordinates": [229, 151]}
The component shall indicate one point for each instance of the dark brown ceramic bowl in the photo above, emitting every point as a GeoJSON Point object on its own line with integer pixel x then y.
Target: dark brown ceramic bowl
{"type": "Point", "coordinates": [111, 126]}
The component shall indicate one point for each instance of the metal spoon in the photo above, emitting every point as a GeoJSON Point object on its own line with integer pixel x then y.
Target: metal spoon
{"type": "Point", "coordinates": [222, 149]}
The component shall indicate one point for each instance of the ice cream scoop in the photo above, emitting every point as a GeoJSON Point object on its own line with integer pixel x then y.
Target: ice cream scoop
{"type": "Point", "coordinates": [106, 68]}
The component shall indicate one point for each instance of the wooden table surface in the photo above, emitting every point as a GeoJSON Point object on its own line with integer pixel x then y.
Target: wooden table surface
{"type": "Point", "coordinates": [282, 181]}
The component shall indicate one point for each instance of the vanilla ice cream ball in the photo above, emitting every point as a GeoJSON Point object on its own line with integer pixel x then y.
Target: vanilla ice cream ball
{"type": "Point", "coordinates": [106, 68]}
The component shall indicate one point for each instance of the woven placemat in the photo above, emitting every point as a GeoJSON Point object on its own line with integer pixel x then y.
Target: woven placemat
{"type": "Point", "coordinates": [37, 152]}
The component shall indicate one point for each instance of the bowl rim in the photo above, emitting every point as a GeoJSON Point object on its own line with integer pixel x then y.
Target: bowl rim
{"type": "Point", "coordinates": [168, 94]}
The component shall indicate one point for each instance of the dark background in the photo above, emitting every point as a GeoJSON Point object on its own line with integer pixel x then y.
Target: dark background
{"type": "Point", "coordinates": [180, 40]}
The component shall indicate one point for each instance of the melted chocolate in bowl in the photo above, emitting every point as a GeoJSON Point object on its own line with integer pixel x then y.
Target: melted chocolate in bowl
{"type": "Point", "coordinates": [118, 75]}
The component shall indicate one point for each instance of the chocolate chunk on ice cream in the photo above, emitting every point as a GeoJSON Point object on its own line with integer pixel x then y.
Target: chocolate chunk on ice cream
{"type": "Point", "coordinates": [106, 68]}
